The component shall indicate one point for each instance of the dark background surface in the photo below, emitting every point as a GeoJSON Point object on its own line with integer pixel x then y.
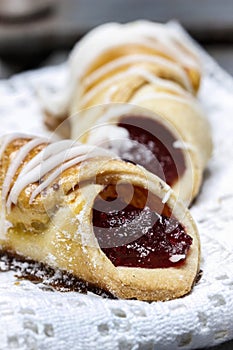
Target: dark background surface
{"type": "Point", "coordinates": [29, 41]}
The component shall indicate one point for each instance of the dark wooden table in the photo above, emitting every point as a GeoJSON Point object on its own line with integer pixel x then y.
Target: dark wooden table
{"type": "Point", "coordinates": [27, 42]}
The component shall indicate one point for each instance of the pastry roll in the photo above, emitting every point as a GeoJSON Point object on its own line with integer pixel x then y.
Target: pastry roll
{"type": "Point", "coordinates": [167, 134]}
{"type": "Point", "coordinates": [119, 49]}
{"type": "Point", "coordinates": [157, 73]}
{"type": "Point", "coordinates": [80, 209]}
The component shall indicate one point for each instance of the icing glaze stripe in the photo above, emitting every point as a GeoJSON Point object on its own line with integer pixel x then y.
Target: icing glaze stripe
{"type": "Point", "coordinates": [55, 157]}
{"type": "Point", "coordinates": [130, 59]}
{"type": "Point", "coordinates": [15, 164]}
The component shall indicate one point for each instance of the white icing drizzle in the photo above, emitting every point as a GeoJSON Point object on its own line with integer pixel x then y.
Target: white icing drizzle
{"type": "Point", "coordinates": [63, 167]}
{"type": "Point", "coordinates": [177, 257]}
{"type": "Point", "coordinates": [130, 59]}
{"type": "Point", "coordinates": [167, 196]}
{"type": "Point", "coordinates": [19, 158]}
{"type": "Point", "coordinates": [110, 93]}
{"type": "Point", "coordinates": [183, 145]}
{"type": "Point", "coordinates": [114, 112]}
{"type": "Point", "coordinates": [50, 150]}
{"type": "Point", "coordinates": [165, 95]}
{"type": "Point", "coordinates": [109, 82]}
{"type": "Point", "coordinates": [167, 37]}
{"type": "Point", "coordinates": [107, 135]}
{"type": "Point", "coordinates": [145, 33]}
{"type": "Point", "coordinates": [132, 71]}
{"type": "Point", "coordinates": [54, 158]}
{"type": "Point", "coordinates": [180, 52]}
{"type": "Point", "coordinates": [7, 139]}
{"type": "Point", "coordinates": [155, 80]}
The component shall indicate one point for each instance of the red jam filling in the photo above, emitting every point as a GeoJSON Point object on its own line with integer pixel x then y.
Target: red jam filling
{"type": "Point", "coordinates": [152, 146]}
{"type": "Point", "coordinates": [138, 237]}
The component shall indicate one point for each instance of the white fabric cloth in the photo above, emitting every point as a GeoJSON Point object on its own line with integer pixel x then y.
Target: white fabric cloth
{"type": "Point", "coordinates": [31, 318]}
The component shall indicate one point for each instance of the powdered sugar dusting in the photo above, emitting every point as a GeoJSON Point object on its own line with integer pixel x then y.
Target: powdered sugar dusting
{"type": "Point", "coordinates": [203, 318]}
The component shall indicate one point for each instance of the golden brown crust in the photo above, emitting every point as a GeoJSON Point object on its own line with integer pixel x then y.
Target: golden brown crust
{"type": "Point", "coordinates": [178, 113]}
{"type": "Point", "coordinates": [148, 65]}
{"type": "Point", "coordinates": [126, 50]}
{"type": "Point", "coordinates": [145, 74]}
{"type": "Point", "coordinates": [57, 229]}
{"type": "Point", "coordinates": [114, 49]}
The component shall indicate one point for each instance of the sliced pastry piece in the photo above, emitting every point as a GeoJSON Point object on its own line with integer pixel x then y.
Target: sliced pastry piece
{"type": "Point", "coordinates": [78, 209]}
{"type": "Point", "coordinates": [150, 66]}
{"type": "Point", "coordinates": [114, 42]}
{"type": "Point", "coordinates": [119, 49]}
{"type": "Point", "coordinates": [173, 142]}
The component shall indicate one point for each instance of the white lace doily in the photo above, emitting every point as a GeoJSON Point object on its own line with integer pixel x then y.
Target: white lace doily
{"type": "Point", "coordinates": [31, 318]}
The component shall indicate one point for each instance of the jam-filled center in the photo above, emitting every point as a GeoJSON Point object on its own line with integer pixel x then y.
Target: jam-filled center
{"type": "Point", "coordinates": [134, 235]}
{"type": "Point", "coordinates": [152, 146]}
